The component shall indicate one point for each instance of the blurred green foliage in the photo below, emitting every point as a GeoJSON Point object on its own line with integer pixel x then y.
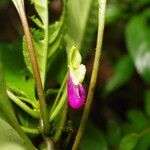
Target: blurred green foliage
{"type": "Point", "coordinates": [130, 64]}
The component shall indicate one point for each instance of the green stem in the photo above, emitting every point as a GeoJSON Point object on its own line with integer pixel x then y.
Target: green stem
{"type": "Point", "coordinates": [61, 124]}
{"type": "Point", "coordinates": [59, 94]}
{"type": "Point", "coordinates": [102, 6]}
{"type": "Point", "coordinates": [49, 143]}
{"type": "Point", "coordinates": [59, 106]}
{"type": "Point", "coordinates": [51, 91]}
{"type": "Point", "coordinates": [22, 105]}
{"type": "Point", "coordinates": [30, 130]}
{"type": "Point", "coordinates": [28, 101]}
{"type": "Point", "coordinates": [43, 109]}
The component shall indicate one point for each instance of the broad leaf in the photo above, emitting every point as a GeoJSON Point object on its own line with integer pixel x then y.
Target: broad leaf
{"type": "Point", "coordinates": [40, 42]}
{"type": "Point", "coordinates": [47, 40]}
{"type": "Point", "coordinates": [138, 37]}
{"type": "Point", "coordinates": [17, 77]}
{"type": "Point", "coordinates": [82, 23]}
{"type": "Point", "coordinates": [129, 142]}
{"type": "Point", "coordinates": [7, 113]}
{"type": "Point", "coordinates": [9, 138]}
{"type": "Point", "coordinates": [56, 49]}
{"type": "Point", "coordinates": [93, 139]}
{"type": "Point", "coordinates": [123, 71]}
{"type": "Point", "coordinates": [5, 105]}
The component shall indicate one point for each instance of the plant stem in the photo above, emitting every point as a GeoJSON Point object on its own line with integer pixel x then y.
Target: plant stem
{"type": "Point", "coordinates": [29, 101]}
{"type": "Point", "coordinates": [61, 124]}
{"type": "Point", "coordinates": [35, 68]}
{"type": "Point", "coordinates": [102, 6]}
{"type": "Point", "coordinates": [22, 105]}
{"type": "Point", "coordinates": [49, 143]}
{"type": "Point", "coordinates": [59, 93]}
{"type": "Point", "coordinates": [59, 106]}
{"type": "Point", "coordinates": [30, 130]}
{"type": "Point", "coordinates": [51, 91]}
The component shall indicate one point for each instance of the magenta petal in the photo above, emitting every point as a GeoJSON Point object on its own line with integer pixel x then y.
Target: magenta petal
{"type": "Point", "coordinates": [76, 94]}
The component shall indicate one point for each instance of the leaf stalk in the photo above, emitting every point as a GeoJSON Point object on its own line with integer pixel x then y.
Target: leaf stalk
{"type": "Point", "coordinates": [43, 109]}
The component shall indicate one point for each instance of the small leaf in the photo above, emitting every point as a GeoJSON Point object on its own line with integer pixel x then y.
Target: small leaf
{"type": "Point", "coordinates": [137, 37]}
{"type": "Point", "coordinates": [123, 71]}
{"type": "Point", "coordinates": [129, 142]}
{"type": "Point", "coordinates": [93, 139]}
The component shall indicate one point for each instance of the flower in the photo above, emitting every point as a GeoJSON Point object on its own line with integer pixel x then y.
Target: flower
{"type": "Point", "coordinates": [75, 90]}
{"type": "Point", "coordinates": [76, 94]}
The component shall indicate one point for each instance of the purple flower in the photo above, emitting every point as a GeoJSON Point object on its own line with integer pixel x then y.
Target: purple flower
{"type": "Point", "coordinates": [76, 94]}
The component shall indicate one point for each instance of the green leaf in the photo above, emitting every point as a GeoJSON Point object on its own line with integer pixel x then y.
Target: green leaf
{"type": "Point", "coordinates": [82, 23]}
{"type": "Point", "coordinates": [123, 71]}
{"type": "Point", "coordinates": [5, 105]}
{"type": "Point", "coordinates": [138, 37]}
{"type": "Point", "coordinates": [41, 8]}
{"type": "Point", "coordinates": [47, 40]}
{"type": "Point", "coordinates": [17, 77]}
{"type": "Point", "coordinates": [40, 42]}
{"type": "Point", "coordinates": [25, 120]}
{"type": "Point", "coordinates": [56, 41]}
{"type": "Point", "coordinates": [113, 133]}
{"type": "Point", "coordinates": [56, 34]}
{"type": "Point", "coordinates": [93, 139]}
{"type": "Point", "coordinates": [7, 113]}
{"type": "Point", "coordinates": [113, 12]}
{"type": "Point", "coordinates": [144, 142]}
{"type": "Point", "coordinates": [58, 61]}
{"type": "Point", "coordinates": [57, 57]}
{"type": "Point", "coordinates": [140, 4]}
{"type": "Point", "coordinates": [138, 120]}
{"type": "Point", "coordinates": [9, 138]}
{"type": "Point", "coordinates": [129, 142]}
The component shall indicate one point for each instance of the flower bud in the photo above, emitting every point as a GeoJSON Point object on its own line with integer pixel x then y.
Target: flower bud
{"type": "Point", "coordinates": [76, 94]}
{"type": "Point", "coordinates": [75, 90]}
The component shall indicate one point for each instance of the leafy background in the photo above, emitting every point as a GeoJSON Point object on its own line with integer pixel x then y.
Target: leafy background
{"type": "Point", "coordinates": [120, 115]}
